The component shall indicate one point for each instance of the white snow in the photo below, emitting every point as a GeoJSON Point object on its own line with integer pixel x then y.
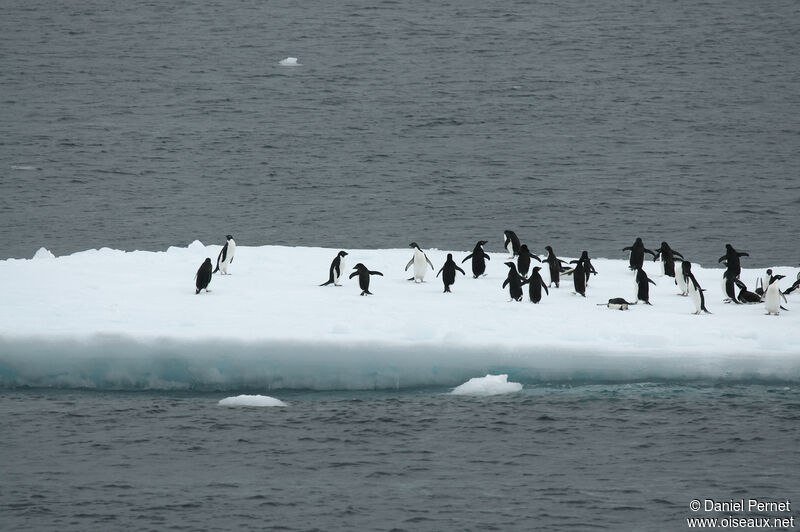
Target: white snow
{"type": "Point", "coordinates": [289, 61]}
{"type": "Point", "coordinates": [43, 253]}
{"type": "Point", "coordinates": [109, 318]}
{"type": "Point", "coordinates": [488, 385]}
{"type": "Point", "coordinates": [251, 400]}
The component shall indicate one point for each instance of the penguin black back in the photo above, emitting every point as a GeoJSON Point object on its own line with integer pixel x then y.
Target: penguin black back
{"type": "Point", "coordinates": [643, 283]}
{"type": "Point", "coordinates": [479, 258]}
{"type": "Point", "coordinates": [203, 276]}
{"type": "Point", "coordinates": [511, 242]}
{"type": "Point", "coordinates": [667, 255]}
{"type": "Point", "coordinates": [637, 250]}
{"type": "Point", "coordinates": [449, 269]}
{"type": "Point", "coordinates": [524, 260]}
{"type": "Point", "coordinates": [535, 285]}
{"type": "Point", "coordinates": [363, 278]}
{"type": "Point", "coordinates": [514, 282]}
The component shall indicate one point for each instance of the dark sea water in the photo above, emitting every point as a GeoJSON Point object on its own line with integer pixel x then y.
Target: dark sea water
{"type": "Point", "coordinates": [591, 457]}
{"type": "Point", "coordinates": [140, 125]}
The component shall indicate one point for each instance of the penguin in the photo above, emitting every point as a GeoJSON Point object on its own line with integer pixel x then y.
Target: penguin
{"type": "Point", "coordinates": [450, 267]}
{"type": "Point", "coordinates": [479, 258]}
{"type": "Point", "coordinates": [337, 267]}
{"type": "Point", "coordinates": [514, 282]}
{"type": "Point", "coordinates": [225, 257]}
{"type": "Point", "coordinates": [587, 266]}
{"type": "Point", "coordinates": [773, 295]}
{"type": "Point", "coordinates": [637, 250]}
{"type": "Point", "coordinates": [419, 261]}
{"type": "Point", "coordinates": [555, 266]}
{"type": "Point", "coordinates": [667, 255]}
{"type": "Point", "coordinates": [764, 282]}
{"type": "Point", "coordinates": [731, 258]}
{"type": "Point", "coordinates": [643, 283]}
{"type": "Point", "coordinates": [616, 303]}
{"type": "Point", "coordinates": [794, 286]}
{"type": "Point", "coordinates": [695, 291]}
{"type": "Point", "coordinates": [681, 280]}
{"type": "Point", "coordinates": [511, 243]}
{"type": "Point", "coordinates": [578, 277]}
{"type": "Point", "coordinates": [203, 276]}
{"type": "Point", "coordinates": [729, 286]}
{"type": "Point", "coordinates": [745, 296]}
{"type": "Point", "coordinates": [363, 278]}
{"type": "Point", "coordinates": [524, 260]}
{"type": "Point", "coordinates": [535, 285]}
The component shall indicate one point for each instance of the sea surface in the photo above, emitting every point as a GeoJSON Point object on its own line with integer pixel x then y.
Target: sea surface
{"type": "Point", "coordinates": [582, 125]}
{"type": "Point", "coordinates": [552, 457]}
{"type": "Point", "coordinates": [140, 125]}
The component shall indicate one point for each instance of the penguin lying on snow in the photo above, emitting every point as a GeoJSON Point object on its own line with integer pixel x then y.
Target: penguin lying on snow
{"type": "Point", "coordinates": [363, 278]}
{"type": "Point", "coordinates": [336, 270]}
{"type": "Point", "coordinates": [745, 296]}
{"type": "Point", "coordinates": [616, 303]}
{"type": "Point", "coordinates": [203, 276]}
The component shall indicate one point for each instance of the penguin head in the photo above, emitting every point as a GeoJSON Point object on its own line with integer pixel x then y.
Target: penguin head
{"type": "Point", "coordinates": [207, 261]}
{"type": "Point", "coordinates": [585, 255]}
{"type": "Point", "coordinates": [449, 256]}
{"type": "Point", "coordinates": [769, 271]}
{"type": "Point", "coordinates": [342, 253]}
{"type": "Point", "coordinates": [524, 247]}
{"type": "Point", "coordinates": [536, 268]}
{"type": "Point", "coordinates": [413, 245]}
{"type": "Point", "coordinates": [776, 278]}
{"type": "Point", "coordinates": [482, 242]}
{"type": "Point", "coordinates": [639, 240]}
{"type": "Point", "coordinates": [228, 237]}
{"type": "Point", "coordinates": [549, 249]}
{"type": "Point", "coordinates": [359, 267]}
{"type": "Point", "coordinates": [728, 247]}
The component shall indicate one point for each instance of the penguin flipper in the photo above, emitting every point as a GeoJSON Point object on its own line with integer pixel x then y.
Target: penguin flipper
{"type": "Point", "coordinates": [459, 269]}
{"type": "Point", "coordinates": [627, 248]}
{"type": "Point", "coordinates": [440, 271]}
{"type": "Point", "coordinates": [409, 264]}
{"type": "Point", "coordinates": [353, 275]}
{"type": "Point", "coordinates": [546, 291]}
{"type": "Point", "coordinates": [326, 283]}
{"type": "Point", "coordinates": [375, 273]}
{"type": "Point", "coordinates": [428, 261]}
{"type": "Point", "coordinates": [505, 283]}
{"type": "Point", "coordinates": [467, 258]}
{"type": "Point", "coordinates": [486, 256]}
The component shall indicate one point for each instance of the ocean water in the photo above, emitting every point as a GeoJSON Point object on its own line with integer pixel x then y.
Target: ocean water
{"type": "Point", "coordinates": [141, 125]}
{"type": "Point", "coordinates": [552, 457]}
{"type": "Point", "coordinates": [578, 124]}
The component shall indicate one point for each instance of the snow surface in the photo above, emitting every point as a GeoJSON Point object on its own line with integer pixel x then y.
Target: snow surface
{"type": "Point", "coordinates": [114, 319]}
{"type": "Point", "coordinates": [251, 400]}
{"type": "Point", "coordinates": [488, 385]}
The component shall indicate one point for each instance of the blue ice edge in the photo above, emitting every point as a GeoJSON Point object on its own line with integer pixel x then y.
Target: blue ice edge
{"type": "Point", "coordinates": [111, 362]}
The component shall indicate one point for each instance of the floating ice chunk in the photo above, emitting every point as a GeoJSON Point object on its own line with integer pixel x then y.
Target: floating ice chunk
{"type": "Point", "coordinates": [23, 167]}
{"type": "Point", "coordinates": [43, 253]}
{"type": "Point", "coordinates": [252, 400]}
{"type": "Point", "coordinates": [488, 385]}
{"type": "Point", "coordinates": [289, 61]}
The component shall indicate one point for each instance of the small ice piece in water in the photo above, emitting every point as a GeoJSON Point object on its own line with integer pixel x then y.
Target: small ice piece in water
{"type": "Point", "coordinates": [289, 61]}
{"type": "Point", "coordinates": [43, 253]}
{"type": "Point", "coordinates": [251, 400]}
{"type": "Point", "coordinates": [488, 385]}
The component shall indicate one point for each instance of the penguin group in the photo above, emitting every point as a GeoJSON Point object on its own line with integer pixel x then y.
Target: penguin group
{"type": "Point", "coordinates": [520, 273]}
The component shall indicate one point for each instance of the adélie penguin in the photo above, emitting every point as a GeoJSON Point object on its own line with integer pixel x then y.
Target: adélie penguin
{"type": "Point", "coordinates": [511, 243]}
{"type": "Point", "coordinates": [363, 278]}
{"type": "Point", "coordinates": [524, 260]}
{"type": "Point", "coordinates": [420, 262]}
{"type": "Point", "coordinates": [514, 282]}
{"type": "Point", "coordinates": [450, 268]}
{"type": "Point", "coordinates": [794, 286]}
{"type": "Point", "coordinates": [729, 286]}
{"type": "Point", "coordinates": [203, 276]}
{"type": "Point", "coordinates": [731, 258]}
{"type": "Point", "coordinates": [225, 257]}
{"type": "Point", "coordinates": [555, 266]}
{"type": "Point", "coordinates": [578, 277]}
{"type": "Point", "coordinates": [336, 270]}
{"type": "Point", "coordinates": [773, 295]}
{"type": "Point", "coordinates": [637, 250]}
{"type": "Point", "coordinates": [745, 296]}
{"type": "Point", "coordinates": [588, 268]}
{"type": "Point", "coordinates": [694, 289]}
{"type": "Point", "coordinates": [616, 303]}
{"type": "Point", "coordinates": [479, 258]}
{"type": "Point", "coordinates": [643, 283]}
{"type": "Point", "coordinates": [535, 285]}
{"type": "Point", "coordinates": [680, 278]}
{"type": "Point", "coordinates": [667, 255]}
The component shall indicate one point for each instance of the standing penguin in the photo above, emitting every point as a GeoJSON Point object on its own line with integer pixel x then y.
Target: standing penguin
{"type": "Point", "coordinates": [587, 266]}
{"type": "Point", "coordinates": [511, 243]}
{"type": "Point", "coordinates": [336, 270]}
{"type": "Point", "coordinates": [450, 267]}
{"type": "Point", "coordinates": [535, 285]}
{"type": "Point", "coordinates": [731, 258]}
{"type": "Point", "coordinates": [695, 291]}
{"type": "Point", "coordinates": [643, 283]}
{"type": "Point", "coordinates": [524, 260]}
{"type": "Point", "coordinates": [667, 255]}
{"type": "Point", "coordinates": [773, 295]}
{"type": "Point", "coordinates": [555, 266]}
{"type": "Point", "coordinates": [479, 258]}
{"type": "Point", "coordinates": [637, 250]}
{"type": "Point", "coordinates": [729, 286]}
{"type": "Point", "coordinates": [578, 277]}
{"type": "Point", "coordinates": [363, 278]}
{"type": "Point", "coordinates": [203, 276]}
{"type": "Point", "coordinates": [420, 262]}
{"type": "Point", "coordinates": [225, 257]}
{"type": "Point", "coordinates": [764, 282]}
{"type": "Point", "coordinates": [681, 279]}
{"type": "Point", "coordinates": [514, 282]}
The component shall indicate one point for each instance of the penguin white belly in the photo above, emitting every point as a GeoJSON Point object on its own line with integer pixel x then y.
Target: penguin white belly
{"type": "Point", "coordinates": [772, 299]}
{"type": "Point", "coordinates": [695, 294]}
{"type": "Point", "coordinates": [420, 266]}
{"type": "Point", "coordinates": [680, 280]}
{"type": "Point", "coordinates": [223, 266]}
{"type": "Point", "coordinates": [338, 275]}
